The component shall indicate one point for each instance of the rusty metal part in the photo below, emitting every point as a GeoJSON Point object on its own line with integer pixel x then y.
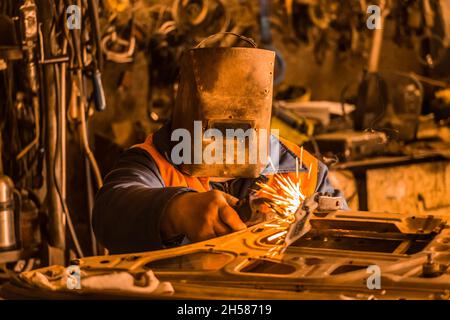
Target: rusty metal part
{"type": "Point", "coordinates": [330, 261]}
{"type": "Point", "coordinates": [431, 268]}
{"type": "Point", "coordinates": [329, 203]}
{"type": "Point", "coordinates": [56, 225]}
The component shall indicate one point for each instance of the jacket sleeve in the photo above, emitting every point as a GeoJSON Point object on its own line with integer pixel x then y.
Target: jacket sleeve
{"type": "Point", "coordinates": [129, 206]}
{"type": "Point", "coordinates": [324, 185]}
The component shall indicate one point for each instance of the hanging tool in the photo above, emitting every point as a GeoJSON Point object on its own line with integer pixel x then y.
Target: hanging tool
{"type": "Point", "coordinates": [429, 46]}
{"type": "Point", "coordinates": [128, 47]}
{"type": "Point", "coordinates": [99, 94]}
{"type": "Point", "coordinates": [30, 36]}
{"type": "Point", "coordinates": [372, 92]}
{"type": "Point", "coordinates": [8, 238]}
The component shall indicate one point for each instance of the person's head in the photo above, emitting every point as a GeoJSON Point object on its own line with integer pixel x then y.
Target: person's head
{"type": "Point", "coordinates": [221, 119]}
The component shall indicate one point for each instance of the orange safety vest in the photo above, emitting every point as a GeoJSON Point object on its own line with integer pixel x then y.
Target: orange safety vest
{"type": "Point", "coordinates": [172, 177]}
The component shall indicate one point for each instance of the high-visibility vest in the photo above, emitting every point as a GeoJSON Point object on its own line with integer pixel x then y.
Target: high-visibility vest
{"type": "Point", "coordinates": [172, 177]}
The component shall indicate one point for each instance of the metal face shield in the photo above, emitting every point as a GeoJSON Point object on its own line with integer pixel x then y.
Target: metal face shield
{"type": "Point", "coordinates": [224, 101]}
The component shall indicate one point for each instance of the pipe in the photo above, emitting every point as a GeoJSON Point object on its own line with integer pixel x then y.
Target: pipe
{"type": "Point", "coordinates": [62, 125]}
{"type": "Point", "coordinates": [57, 221]}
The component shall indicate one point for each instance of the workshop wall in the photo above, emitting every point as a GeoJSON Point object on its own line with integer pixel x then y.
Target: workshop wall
{"type": "Point", "coordinates": [127, 86]}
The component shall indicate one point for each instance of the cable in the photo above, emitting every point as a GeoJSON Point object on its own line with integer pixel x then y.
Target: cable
{"type": "Point", "coordinates": [95, 27]}
{"type": "Point", "coordinates": [83, 129]}
{"type": "Point", "coordinates": [84, 137]}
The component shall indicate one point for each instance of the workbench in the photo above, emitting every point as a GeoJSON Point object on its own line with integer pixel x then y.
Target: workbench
{"type": "Point", "coordinates": [414, 184]}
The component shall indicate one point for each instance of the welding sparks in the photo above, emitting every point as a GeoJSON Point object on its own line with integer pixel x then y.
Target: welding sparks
{"type": "Point", "coordinates": [285, 196]}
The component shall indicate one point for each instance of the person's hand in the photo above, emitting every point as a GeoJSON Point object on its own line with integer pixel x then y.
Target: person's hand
{"type": "Point", "coordinates": [201, 216]}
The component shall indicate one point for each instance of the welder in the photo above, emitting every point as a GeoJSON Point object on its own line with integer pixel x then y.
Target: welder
{"type": "Point", "coordinates": [158, 195]}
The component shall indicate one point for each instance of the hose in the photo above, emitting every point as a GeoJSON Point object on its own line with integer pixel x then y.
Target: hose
{"type": "Point", "coordinates": [84, 136]}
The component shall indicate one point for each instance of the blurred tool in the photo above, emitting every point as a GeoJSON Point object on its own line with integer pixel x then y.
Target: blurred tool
{"type": "Point", "coordinates": [431, 268]}
{"type": "Point", "coordinates": [97, 63]}
{"type": "Point", "coordinates": [351, 145]}
{"type": "Point", "coordinates": [116, 48]}
{"type": "Point", "coordinates": [30, 36]}
{"type": "Point", "coordinates": [9, 47]}
{"type": "Point", "coordinates": [405, 99]}
{"type": "Point", "coordinates": [429, 46]}
{"type": "Point", "coordinates": [372, 92]}
{"type": "Point", "coordinates": [99, 94]}
{"type": "Point", "coordinates": [7, 220]}
{"type": "Point", "coordinates": [30, 233]}
{"type": "Point", "coordinates": [201, 18]}
{"type": "Point", "coordinates": [319, 110]}
{"type": "Point", "coordinates": [441, 105]}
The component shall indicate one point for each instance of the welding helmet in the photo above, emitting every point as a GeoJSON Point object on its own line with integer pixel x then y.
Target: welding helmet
{"type": "Point", "coordinates": [224, 92]}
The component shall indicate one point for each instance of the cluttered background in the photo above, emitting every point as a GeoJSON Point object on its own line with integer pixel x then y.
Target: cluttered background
{"type": "Point", "coordinates": [364, 86]}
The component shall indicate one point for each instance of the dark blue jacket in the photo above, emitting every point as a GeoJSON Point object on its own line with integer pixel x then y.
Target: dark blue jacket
{"type": "Point", "coordinates": [129, 206]}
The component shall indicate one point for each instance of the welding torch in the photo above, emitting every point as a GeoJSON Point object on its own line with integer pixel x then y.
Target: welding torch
{"type": "Point", "coordinates": [318, 202]}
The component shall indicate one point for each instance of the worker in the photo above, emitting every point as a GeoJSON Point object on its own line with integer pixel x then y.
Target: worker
{"type": "Point", "coordinates": [167, 191]}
